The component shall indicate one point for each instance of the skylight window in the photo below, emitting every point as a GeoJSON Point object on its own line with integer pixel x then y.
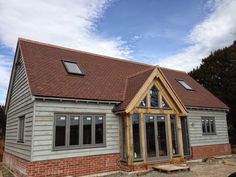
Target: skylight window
{"type": "Point", "coordinates": [185, 85]}
{"type": "Point", "coordinates": [72, 67]}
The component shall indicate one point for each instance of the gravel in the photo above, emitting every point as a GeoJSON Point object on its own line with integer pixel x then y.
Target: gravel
{"type": "Point", "coordinates": [200, 169]}
{"type": "Point", "coordinates": [5, 171]}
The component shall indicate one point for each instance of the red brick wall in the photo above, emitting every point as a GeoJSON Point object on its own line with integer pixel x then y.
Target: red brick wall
{"type": "Point", "coordinates": [77, 166]}
{"type": "Point", "coordinates": [199, 152]}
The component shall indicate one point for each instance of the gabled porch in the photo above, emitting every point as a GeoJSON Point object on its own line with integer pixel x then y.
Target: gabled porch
{"type": "Point", "coordinates": [150, 127]}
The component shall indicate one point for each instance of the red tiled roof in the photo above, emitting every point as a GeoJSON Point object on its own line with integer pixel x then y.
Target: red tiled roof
{"type": "Point", "coordinates": [105, 78]}
{"type": "Point", "coordinates": [133, 84]}
{"type": "Point", "coordinates": [199, 97]}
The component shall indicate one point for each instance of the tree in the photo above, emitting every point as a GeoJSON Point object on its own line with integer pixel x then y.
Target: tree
{"type": "Point", "coordinates": [217, 73]}
{"type": "Point", "coordinates": [2, 121]}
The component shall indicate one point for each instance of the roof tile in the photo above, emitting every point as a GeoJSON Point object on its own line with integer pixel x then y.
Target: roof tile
{"type": "Point", "coordinates": [105, 78]}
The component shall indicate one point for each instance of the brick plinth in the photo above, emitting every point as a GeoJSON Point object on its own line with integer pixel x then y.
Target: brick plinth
{"type": "Point", "coordinates": [199, 152]}
{"type": "Point", "coordinates": [77, 166]}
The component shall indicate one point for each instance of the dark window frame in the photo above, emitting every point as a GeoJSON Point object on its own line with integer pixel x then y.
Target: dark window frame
{"type": "Point", "coordinates": [79, 138]}
{"type": "Point", "coordinates": [21, 129]}
{"type": "Point", "coordinates": [67, 69]}
{"type": "Point", "coordinates": [144, 100]}
{"type": "Point", "coordinates": [140, 138]}
{"type": "Point", "coordinates": [174, 123]}
{"type": "Point", "coordinates": [210, 132]}
{"type": "Point", "coordinates": [81, 145]}
{"type": "Point", "coordinates": [167, 104]}
{"type": "Point", "coordinates": [148, 98]}
{"type": "Point", "coordinates": [158, 97]}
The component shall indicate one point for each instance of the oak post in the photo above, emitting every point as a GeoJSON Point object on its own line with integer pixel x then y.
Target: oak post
{"type": "Point", "coordinates": [180, 138]}
{"type": "Point", "coordinates": [169, 136]}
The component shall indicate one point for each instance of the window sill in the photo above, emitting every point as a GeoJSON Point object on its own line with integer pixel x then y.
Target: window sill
{"type": "Point", "coordinates": [21, 142]}
{"type": "Point", "coordinates": [78, 147]}
{"type": "Point", "coordinates": [206, 134]}
{"type": "Point", "coordinates": [176, 155]}
{"type": "Point", "coordinates": [140, 107]}
{"type": "Point", "coordinates": [137, 160]}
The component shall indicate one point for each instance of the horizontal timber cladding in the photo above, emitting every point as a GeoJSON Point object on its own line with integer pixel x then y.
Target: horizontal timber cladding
{"type": "Point", "coordinates": [43, 129]}
{"type": "Point", "coordinates": [20, 104]}
{"type": "Point", "coordinates": [195, 128]}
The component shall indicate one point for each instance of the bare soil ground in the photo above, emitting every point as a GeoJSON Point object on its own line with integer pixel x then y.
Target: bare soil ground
{"type": "Point", "coordinates": [5, 172]}
{"type": "Point", "coordinates": [210, 168]}
{"type": "Point", "coordinates": [198, 169]}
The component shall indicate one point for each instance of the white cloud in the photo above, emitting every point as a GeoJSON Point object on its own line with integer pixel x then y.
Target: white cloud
{"type": "Point", "coordinates": [5, 66]}
{"type": "Point", "coordinates": [216, 31]}
{"type": "Point", "coordinates": [68, 23]}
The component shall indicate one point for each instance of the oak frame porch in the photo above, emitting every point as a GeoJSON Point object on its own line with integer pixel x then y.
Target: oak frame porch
{"type": "Point", "coordinates": [176, 108]}
{"type": "Point", "coordinates": [129, 145]}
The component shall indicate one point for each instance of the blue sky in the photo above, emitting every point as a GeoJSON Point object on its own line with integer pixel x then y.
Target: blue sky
{"type": "Point", "coordinates": [174, 34]}
{"type": "Point", "coordinates": [154, 29]}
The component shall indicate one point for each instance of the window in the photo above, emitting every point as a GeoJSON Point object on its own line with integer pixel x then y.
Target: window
{"type": "Point", "coordinates": [136, 136]}
{"type": "Point", "coordinates": [185, 85]}
{"type": "Point", "coordinates": [79, 130]}
{"type": "Point", "coordinates": [21, 129]}
{"type": "Point", "coordinates": [143, 102]}
{"type": "Point", "coordinates": [208, 125]}
{"type": "Point", "coordinates": [150, 133]}
{"type": "Point", "coordinates": [165, 104]}
{"type": "Point", "coordinates": [72, 67]}
{"type": "Point", "coordinates": [154, 97]}
{"type": "Point", "coordinates": [99, 130]}
{"type": "Point", "coordinates": [174, 134]}
{"type": "Point", "coordinates": [60, 138]}
{"type": "Point", "coordinates": [74, 130]}
{"type": "Point", "coordinates": [87, 130]}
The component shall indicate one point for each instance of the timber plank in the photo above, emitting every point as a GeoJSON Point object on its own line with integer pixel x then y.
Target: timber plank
{"type": "Point", "coordinates": [171, 168]}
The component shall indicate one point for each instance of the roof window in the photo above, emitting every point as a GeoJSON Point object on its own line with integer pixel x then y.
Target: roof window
{"type": "Point", "coordinates": [185, 85]}
{"type": "Point", "coordinates": [72, 67]}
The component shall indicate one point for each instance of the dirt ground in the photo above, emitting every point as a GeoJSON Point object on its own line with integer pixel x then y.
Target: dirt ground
{"type": "Point", "coordinates": [5, 172]}
{"type": "Point", "coordinates": [200, 169]}
{"type": "Point", "coordinates": [214, 168]}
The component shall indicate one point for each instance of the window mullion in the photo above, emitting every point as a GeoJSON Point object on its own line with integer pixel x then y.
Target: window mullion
{"type": "Point", "coordinates": [93, 130]}
{"type": "Point", "coordinates": [205, 124]}
{"type": "Point", "coordinates": [67, 130]}
{"type": "Point", "coordinates": [81, 131]}
{"type": "Point", "coordinates": [210, 125]}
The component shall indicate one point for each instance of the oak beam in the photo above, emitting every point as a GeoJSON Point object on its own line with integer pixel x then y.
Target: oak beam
{"type": "Point", "coordinates": [129, 139]}
{"type": "Point", "coordinates": [180, 138]}
{"type": "Point", "coordinates": [143, 137]}
{"type": "Point", "coordinates": [169, 136]}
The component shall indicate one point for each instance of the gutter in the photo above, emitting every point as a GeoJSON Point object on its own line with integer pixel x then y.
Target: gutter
{"type": "Point", "coordinates": [74, 100]}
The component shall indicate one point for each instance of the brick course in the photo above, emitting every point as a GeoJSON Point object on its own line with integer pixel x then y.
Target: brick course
{"type": "Point", "coordinates": [77, 166]}
{"type": "Point", "coordinates": [199, 152]}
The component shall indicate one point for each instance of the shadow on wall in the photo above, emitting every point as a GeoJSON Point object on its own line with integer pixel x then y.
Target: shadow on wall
{"type": "Point", "coordinates": [233, 149]}
{"type": "Point", "coordinates": [1, 148]}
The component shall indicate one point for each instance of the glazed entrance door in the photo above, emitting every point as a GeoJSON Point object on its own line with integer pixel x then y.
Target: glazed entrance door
{"type": "Point", "coordinates": [156, 137]}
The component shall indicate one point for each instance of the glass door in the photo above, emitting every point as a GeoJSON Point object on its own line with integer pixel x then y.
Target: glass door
{"type": "Point", "coordinates": [185, 135]}
{"type": "Point", "coordinates": [150, 137]}
{"type": "Point", "coordinates": [162, 137]}
{"type": "Point", "coordinates": [156, 137]}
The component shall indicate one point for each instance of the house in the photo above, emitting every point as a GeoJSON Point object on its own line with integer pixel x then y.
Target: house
{"type": "Point", "coordinates": [73, 113]}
